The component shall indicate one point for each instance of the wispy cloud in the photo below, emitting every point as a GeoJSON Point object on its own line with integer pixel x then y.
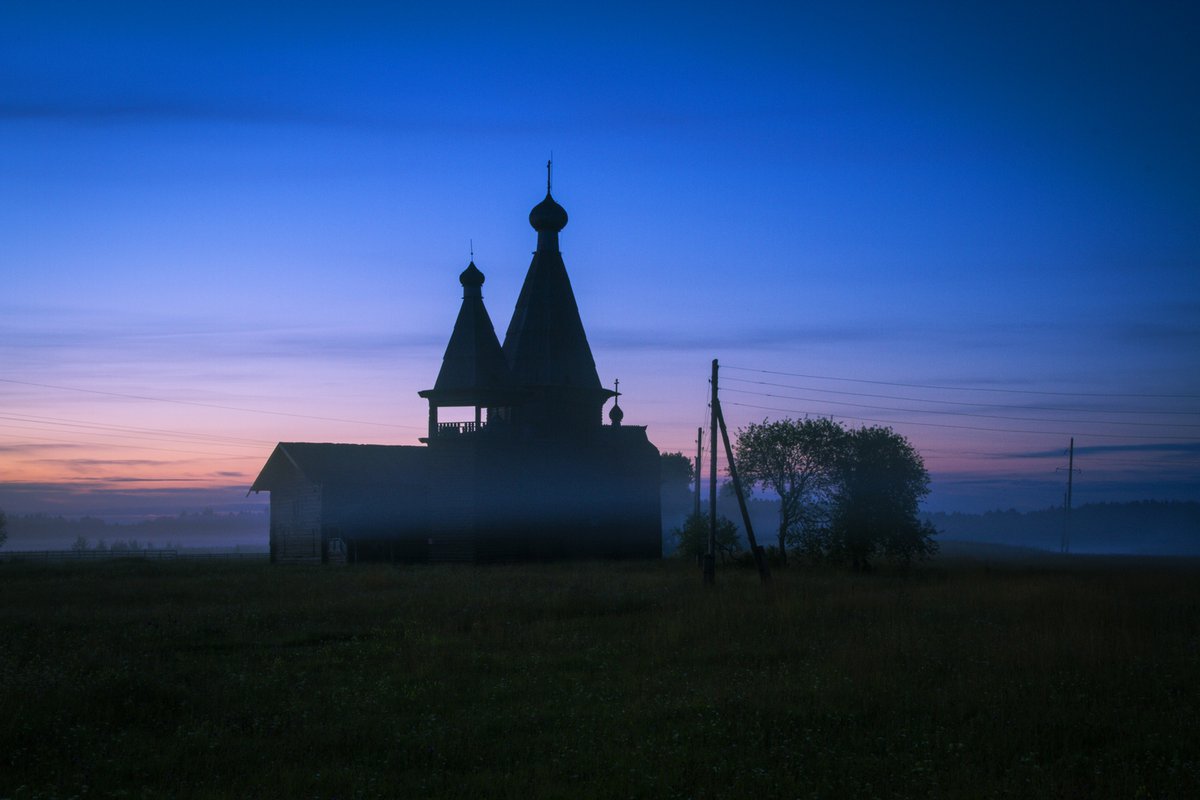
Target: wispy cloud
{"type": "Point", "coordinates": [926, 334]}
{"type": "Point", "coordinates": [31, 449]}
{"type": "Point", "coordinates": [92, 463]}
{"type": "Point", "coordinates": [431, 122]}
{"type": "Point", "coordinates": [672, 339]}
{"type": "Point", "coordinates": [153, 109]}
{"type": "Point", "coordinates": [130, 500]}
{"type": "Point", "coordinates": [131, 339]}
{"type": "Point", "coordinates": [1164, 322]}
{"type": "Point", "coordinates": [979, 491]}
{"type": "Point", "coordinates": [1188, 448]}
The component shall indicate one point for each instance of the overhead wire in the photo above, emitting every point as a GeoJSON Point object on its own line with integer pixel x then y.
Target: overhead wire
{"type": "Point", "coordinates": [968, 404]}
{"type": "Point", "coordinates": [208, 405]}
{"type": "Point", "coordinates": [76, 442]}
{"type": "Point", "coordinates": [170, 435]}
{"type": "Point", "coordinates": [123, 437]}
{"type": "Point", "coordinates": [963, 427]}
{"type": "Point", "coordinates": [964, 388]}
{"type": "Point", "coordinates": [962, 413]}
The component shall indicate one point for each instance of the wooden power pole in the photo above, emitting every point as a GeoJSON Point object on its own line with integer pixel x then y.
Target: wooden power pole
{"type": "Point", "coordinates": [699, 456]}
{"type": "Point", "coordinates": [710, 558]}
{"type": "Point", "coordinates": [717, 422]}
{"type": "Point", "coordinates": [1066, 543]}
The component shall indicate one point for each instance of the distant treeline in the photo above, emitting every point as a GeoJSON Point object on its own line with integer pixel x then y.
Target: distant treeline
{"type": "Point", "coordinates": [197, 529]}
{"type": "Point", "coordinates": [1146, 526]}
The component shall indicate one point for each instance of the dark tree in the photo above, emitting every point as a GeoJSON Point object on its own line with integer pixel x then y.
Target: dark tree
{"type": "Point", "coordinates": [676, 477]}
{"type": "Point", "coordinates": [798, 460]}
{"type": "Point", "coordinates": [882, 480]}
{"type": "Point", "coordinates": [691, 538]}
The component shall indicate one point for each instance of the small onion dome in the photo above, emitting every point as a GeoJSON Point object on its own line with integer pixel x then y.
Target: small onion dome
{"type": "Point", "coordinates": [615, 414]}
{"type": "Point", "coordinates": [548, 216]}
{"type": "Point", "coordinates": [471, 276]}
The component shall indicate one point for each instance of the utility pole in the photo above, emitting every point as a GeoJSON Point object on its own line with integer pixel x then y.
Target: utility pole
{"type": "Point", "coordinates": [710, 559]}
{"type": "Point", "coordinates": [1070, 481]}
{"type": "Point", "coordinates": [1066, 534]}
{"type": "Point", "coordinates": [699, 456]}
{"type": "Point", "coordinates": [717, 422]}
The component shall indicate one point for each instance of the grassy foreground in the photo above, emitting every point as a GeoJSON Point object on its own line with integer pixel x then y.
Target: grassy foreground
{"type": "Point", "coordinates": [132, 679]}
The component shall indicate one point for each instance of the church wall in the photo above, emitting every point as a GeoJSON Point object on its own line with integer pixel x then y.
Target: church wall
{"type": "Point", "coordinates": [595, 496]}
{"type": "Point", "coordinates": [454, 494]}
{"type": "Point", "coordinates": [380, 521]}
{"type": "Point", "coordinates": [629, 467]}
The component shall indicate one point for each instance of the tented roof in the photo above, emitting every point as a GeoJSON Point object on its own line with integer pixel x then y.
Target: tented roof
{"type": "Point", "coordinates": [474, 370]}
{"type": "Point", "coordinates": [545, 343]}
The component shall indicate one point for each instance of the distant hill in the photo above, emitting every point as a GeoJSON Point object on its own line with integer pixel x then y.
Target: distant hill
{"type": "Point", "coordinates": [1147, 527]}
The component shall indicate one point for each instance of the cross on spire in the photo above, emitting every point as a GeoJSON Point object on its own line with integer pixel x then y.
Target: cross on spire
{"type": "Point", "coordinates": [548, 164]}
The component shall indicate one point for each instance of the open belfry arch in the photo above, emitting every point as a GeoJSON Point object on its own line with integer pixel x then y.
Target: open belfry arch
{"type": "Point", "coordinates": [534, 474]}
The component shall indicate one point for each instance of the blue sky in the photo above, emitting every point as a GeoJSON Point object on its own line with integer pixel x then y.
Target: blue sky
{"type": "Point", "coordinates": [226, 225]}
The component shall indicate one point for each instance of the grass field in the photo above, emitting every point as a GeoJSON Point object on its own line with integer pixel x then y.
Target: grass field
{"type": "Point", "coordinates": [964, 679]}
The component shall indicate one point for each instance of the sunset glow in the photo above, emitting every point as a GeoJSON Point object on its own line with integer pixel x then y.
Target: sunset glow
{"type": "Point", "coordinates": [240, 224]}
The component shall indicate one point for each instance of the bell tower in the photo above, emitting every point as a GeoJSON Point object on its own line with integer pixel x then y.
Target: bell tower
{"type": "Point", "coordinates": [474, 371]}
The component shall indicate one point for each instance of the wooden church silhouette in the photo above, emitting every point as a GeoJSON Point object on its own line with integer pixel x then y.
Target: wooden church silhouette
{"type": "Point", "coordinates": [536, 475]}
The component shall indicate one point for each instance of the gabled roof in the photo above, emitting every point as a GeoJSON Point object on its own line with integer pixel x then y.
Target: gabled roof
{"type": "Point", "coordinates": [343, 464]}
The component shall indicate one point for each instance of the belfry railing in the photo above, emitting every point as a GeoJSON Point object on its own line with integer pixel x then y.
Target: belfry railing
{"type": "Point", "coordinates": [458, 428]}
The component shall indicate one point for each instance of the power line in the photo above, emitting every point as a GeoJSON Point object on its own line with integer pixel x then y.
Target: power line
{"type": "Point", "coordinates": [140, 447]}
{"type": "Point", "coordinates": [967, 389]}
{"type": "Point", "coordinates": [131, 430]}
{"type": "Point", "coordinates": [963, 403]}
{"type": "Point", "coordinates": [966, 427]}
{"type": "Point", "coordinates": [964, 413]}
{"type": "Point", "coordinates": [208, 405]}
{"type": "Point", "coordinates": [128, 437]}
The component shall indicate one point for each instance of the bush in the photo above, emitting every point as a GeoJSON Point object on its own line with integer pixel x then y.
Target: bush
{"type": "Point", "coordinates": [691, 538]}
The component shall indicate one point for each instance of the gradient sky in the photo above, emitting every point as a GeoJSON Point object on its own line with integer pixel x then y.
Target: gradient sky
{"type": "Point", "coordinates": [224, 225]}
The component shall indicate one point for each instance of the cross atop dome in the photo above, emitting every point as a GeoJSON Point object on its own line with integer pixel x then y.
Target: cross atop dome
{"type": "Point", "coordinates": [616, 414]}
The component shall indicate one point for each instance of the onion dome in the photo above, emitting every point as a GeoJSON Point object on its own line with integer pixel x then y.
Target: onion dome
{"type": "Point", "coordinates": [615, 414]}
{"type": "Point", "coordinates": [548, 216]}
{"type": "Point", "coordinates": [471, 276]}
